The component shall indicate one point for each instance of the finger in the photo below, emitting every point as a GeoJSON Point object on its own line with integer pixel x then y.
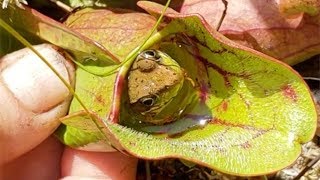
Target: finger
{"type": "Point", "coordinates": [32, 99]}
{"type": "Point", "coordinates": [78, 164]}
{"type": "Point", "coordinates": [43, 162]}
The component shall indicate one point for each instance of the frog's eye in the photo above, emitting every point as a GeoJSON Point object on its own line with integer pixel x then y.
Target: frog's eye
{"type": "Point", "coordinates": [148, 101]}
{"type": "Point", "coordinates": [150, 54]}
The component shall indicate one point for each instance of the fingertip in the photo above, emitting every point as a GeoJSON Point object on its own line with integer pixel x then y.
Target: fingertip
{"type": "Point", "coordinates": [42, 162]}
{"type": "Point", "coordinates": [83, 178]}
{"type": "Point", "coordinates": [78, 164]}
{"type": "Point", "coordinates": [32, 98]}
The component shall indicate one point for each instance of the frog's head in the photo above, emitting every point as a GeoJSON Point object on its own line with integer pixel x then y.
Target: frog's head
{"type": "Point", "coordinates": [153, 81]}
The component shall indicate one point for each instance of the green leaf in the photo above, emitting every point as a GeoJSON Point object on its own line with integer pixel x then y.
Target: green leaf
{"type": "Point", "coordinates": [78, 130]}
{"type": "Point", "coordinates": [87, 131]}
{"type": "Point", "coordinates": [76, 137]}
{"type": "Point", "coordinates": [56, 33]}
{"type": "Point", "coordinates": [261, 110]}
{"type": "Point", "coordinates": [114, 29]}
{"type": "Point", "coordinates": [293, 7]}
{"type": "Point", "coordinates": [102, 3]}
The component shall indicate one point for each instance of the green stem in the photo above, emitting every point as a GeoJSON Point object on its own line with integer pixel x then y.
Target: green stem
{"type": "Point", "coordinates": [63, 6]}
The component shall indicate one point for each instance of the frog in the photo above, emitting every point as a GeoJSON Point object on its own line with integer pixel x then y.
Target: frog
{"type": "Point", "coordinates": [154, 80]}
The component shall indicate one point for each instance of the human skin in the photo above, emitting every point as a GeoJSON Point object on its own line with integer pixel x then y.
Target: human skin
{"type": "Point", "coordinates": [51, 160]}
{"type": "Point", "coordinates": [32, 99]}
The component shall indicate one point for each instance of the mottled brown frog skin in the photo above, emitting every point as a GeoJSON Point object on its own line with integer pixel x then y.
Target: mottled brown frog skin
{"type": "Point", "coordinates": [154, 79]}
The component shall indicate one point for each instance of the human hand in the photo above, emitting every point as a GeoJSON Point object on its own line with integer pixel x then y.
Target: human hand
{"type": "Point", "coordinates": [32, 99]}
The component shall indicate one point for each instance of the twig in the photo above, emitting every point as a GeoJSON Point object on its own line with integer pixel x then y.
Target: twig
{"type": "Point", "coordinates": [312, 78]}
{"type": "Point", "coordinates": [148, 171]}
{"type": "Point", "coordinates": [308, 166]}
{"type": "Point", "coordinates": [224, 13]}
{"type": "Point", "coordinates": [62, 6]}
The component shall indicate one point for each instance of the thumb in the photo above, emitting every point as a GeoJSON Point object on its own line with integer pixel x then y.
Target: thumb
{"type": "Point", "coordinates": [32, 98]}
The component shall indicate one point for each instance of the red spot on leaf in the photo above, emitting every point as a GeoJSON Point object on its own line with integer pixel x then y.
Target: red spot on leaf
{"type": "Point", "coordinates": [100, 99]}
{"type": "Point", "coordinates": [224, 106]}
{"type": "Point", "coordinates": [246, 145]}
{"type": "Point", "coordinates": [132, 143]}
{"type": "Point", "coordinates": [229, 124]}
{"type": "Point", "coordinates": [203, 92]}
{"type": "Point", "coordinates": [289, 92]}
